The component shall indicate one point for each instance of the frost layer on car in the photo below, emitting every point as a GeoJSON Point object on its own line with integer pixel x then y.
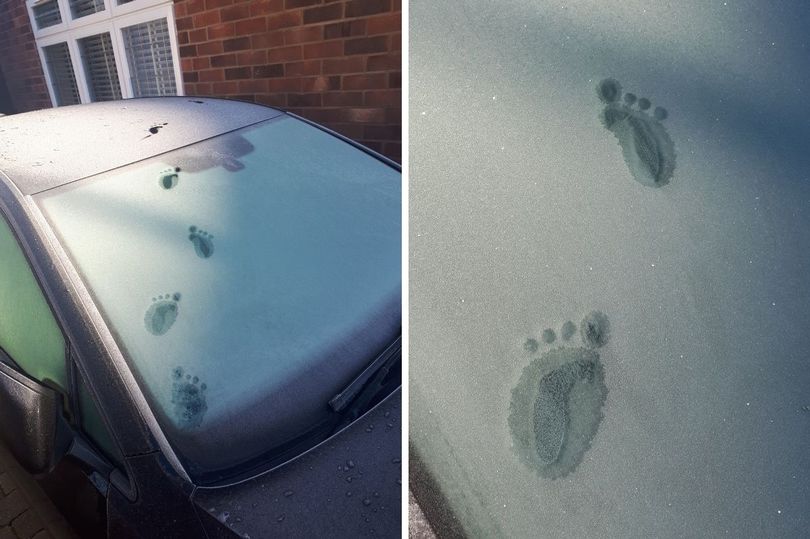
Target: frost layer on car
{"type": "Point", "coordinates": [240, 347]}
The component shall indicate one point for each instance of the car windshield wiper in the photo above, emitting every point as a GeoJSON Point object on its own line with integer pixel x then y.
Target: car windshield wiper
{"type": "Point", "coordinates": [362, 389]}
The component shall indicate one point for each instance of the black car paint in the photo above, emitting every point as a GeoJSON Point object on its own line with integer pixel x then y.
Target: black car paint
{"type": "Point", "coordinates": [149, 498]}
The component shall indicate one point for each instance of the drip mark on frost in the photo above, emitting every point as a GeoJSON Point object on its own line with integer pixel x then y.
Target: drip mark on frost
{"type": "Point", "coordinates": [162, 313]}
{"type": "Point", "coordinates": [556, 407]}
{"type": "Point", "coordinates": [648, 150]}
{"type": "Point", "coordinates": [202, 240]}
{"type": "Point", "coordinates": [188, 399]}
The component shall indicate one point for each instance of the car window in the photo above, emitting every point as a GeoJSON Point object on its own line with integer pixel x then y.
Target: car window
{"type": "Point", "coordinates": [92, 424]}
{"type": "Point", "coordinates": [29, 333]}
{"type": "Point", "coordinates": [248, 278]}
{"type": "Point", "coordinates": [610, 236]}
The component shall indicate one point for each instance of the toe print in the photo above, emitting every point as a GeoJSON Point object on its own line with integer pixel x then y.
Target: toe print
{"type": "Point", "coordinates": [162, 313]}
{"type": "Point", "coordinates": [556, 406]}
{"type": "Point", "coordinates": [168, 178]}
{"type": "Point", "coordinates": [648, 150]}
{"type": "Point", "coordinates": [202, 240]}
{"type": "Point", "coordinates": [188, 399]}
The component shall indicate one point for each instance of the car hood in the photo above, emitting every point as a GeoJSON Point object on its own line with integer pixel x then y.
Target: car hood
{"type": "Point", "coordinates": [348, 486]}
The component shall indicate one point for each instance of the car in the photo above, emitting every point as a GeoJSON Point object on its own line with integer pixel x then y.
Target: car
{"type": "Point", "coordinates": [200, 311]}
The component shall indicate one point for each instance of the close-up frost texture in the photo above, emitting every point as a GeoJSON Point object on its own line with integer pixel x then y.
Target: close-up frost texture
{"type": "Point", "coordinates": [609, 212]}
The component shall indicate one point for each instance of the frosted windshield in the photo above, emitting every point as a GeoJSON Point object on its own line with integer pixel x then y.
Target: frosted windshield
{"type": "Point", "coordinates": [610, 267]}
{"type": "Point", "coordinates": [249, 278]}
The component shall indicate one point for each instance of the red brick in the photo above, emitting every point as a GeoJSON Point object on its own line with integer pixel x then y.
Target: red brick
{"type": "Point", "coordinates": [304, 100]}
{"type": "Point", "coordinates": [328, 12]}
{"type": "Point", "coordinates": [188, 51]}
{"type": "Point", "coordinates": [220, 31]}
{"type": "Point", "coordinates": [272, 100]}
{"type": "Point", "coordinates": [366, 45]}
{"type": "Point", "coordinates": [384, 24]}
{"type": "Point", "coordinates": [307, 67]}
{"type": "Point", "coordinates": [324, 49]}
{"type": "Point", "coordinates": [184, 23]}
{"type": "Point", "coordinates": [236, 44]}
{"type": "Point", "coordinates": [253, 86]}
{"type": "Point", "coordinates": [212, 75]}
{"type": "Point", "coordinates": [292, 4]}
{"type": "Point", "coordinates": [182, 38]}
{"type": "Point", "coordinates": [396, 42]}
{"type": "Point", "coordinates": [303, 34]}
{"type": "Point", "coordinates": [201, 63]}
{"type": "Point", "coordinates": [382, 98]}
{"type": "Point", "coordinates": [263, 41]}
{"type": "Point", "coordinates": [191, 76]}
{"type": "Point", "coordinates": [203, 89]}
{"type": "Point", "coordinates": [358, 8]}
{"type": "Point", "coordinates": [393, 150]}
{"type": "Point", "coordinates": [365, 81]}
{"type": "Point", "coordinates": [284, 85]}
{"type": "Point", "coordinates": [395, 80]}
{"type": "Point", "coordinates": [206, 18]}
{"type": "Point", "coordinates": [186, 64]}
{"type": "Point", "coordinates": [180, 10]}
{"type": "Point", "coordinates": [375, 145]}
{"type": "Point", "coordinates": [352, 131]}
{"type": "Point", "coordinates": [344, 65]}
{"type": "Point", "coordinates": [212, 47]}
{"type": "Point", "coordinates": [385, 62]}
{"type": "Point", "coordinates": [223, 60]}
{"type": "Point", "coordinates": [345, 29]}
{"type": "Point", "coordinates": [195, 6]}
{"type": "Point", "coordinates": [365, 115]}
{"type": "Point", "coordinates": [216, 4]}
{"type": "Point", "coordinates": [265, 7]}
{"type": "Point", "coordinates": [284, 54]}
{"type": "Point", "coordinates": [233, 13]}
{"type": "Point", "coordinates": [251, 26]}
{"type": "Point", "coordinates": [342, 99]}
{"type": "Point", "coordinates": [197, 36]}
{"type": "Point", "coordinates": [234, 73]}
{"type": "Point", "coordinates": [268, 71]}
{"type": "Point", "coordinates": [251, 57]}
{"type": "Point", "coordinates": [225, 88]}
{"type": "Point", "coordinates": [284, 20]}
{"type": "Point", "coordinates": [382, 132]}
{"type": "Point", "coordinates": [320, 84]}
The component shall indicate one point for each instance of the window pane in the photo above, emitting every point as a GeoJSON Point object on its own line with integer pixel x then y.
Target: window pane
{"type": "Point", "coordinates": [28, 331]}
{"type": "Point", "coordinates": [94, 427]}
{"type": "Point", "coordinates": [80, 8]}
{"type": "Point", "coordinates": [149, 54]}
{"type": "Point", "coordinates": [60, 69]}
{"type": "Point", "coordinates": [47, 14]}
{"type": "Point", "coordinates": [99, 67]}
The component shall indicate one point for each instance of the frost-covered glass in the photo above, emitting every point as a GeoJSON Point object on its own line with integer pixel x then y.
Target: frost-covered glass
{"type": "Point", "coordinates": [248, 279]}
{"type": "Point", "coordinates": [610, 267]}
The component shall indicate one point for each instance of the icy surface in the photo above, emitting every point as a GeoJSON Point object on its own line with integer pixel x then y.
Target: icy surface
{"type": "Point", "coordinates": [525, 215]}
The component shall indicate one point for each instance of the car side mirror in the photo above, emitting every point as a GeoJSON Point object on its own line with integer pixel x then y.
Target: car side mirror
{"type": "Point", "coordinates": [31, 422]}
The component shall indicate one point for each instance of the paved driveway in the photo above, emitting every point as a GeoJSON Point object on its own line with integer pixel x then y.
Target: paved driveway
{"type": "Point", "coordinates": [25, 510]}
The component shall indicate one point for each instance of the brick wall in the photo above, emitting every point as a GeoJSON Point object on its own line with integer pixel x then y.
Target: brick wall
{"type": "Point", "coordinates": [335, 62]}
{"type": "Point", "coordinates": [19, 60]}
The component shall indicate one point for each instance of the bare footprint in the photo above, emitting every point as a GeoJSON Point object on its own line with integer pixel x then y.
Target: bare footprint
{"type": "Point", "coordinates": [188, 398]}
{"type": "Point", "coordinates": [162, 313]}
{"type": "Point", "coordinates": [647, 148]}
{"type": "Point", "coordinates": [556, 407]}
{"type": "Point", "coordinates": [202, 240]}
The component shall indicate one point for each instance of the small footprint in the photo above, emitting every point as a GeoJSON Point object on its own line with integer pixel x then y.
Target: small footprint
{"type": "Point", "coordinates": [648, 150]}
{"type": "Point", "coordinates": [202, 240]}
{"type": "Point", "coordinates": [188, 398]}
{"type": "Point", "coordinates": [556, 407]}
{"type": "Point", "coordinates": [167, 178]}
{"type": "Point", "coordinates": [162, 313]}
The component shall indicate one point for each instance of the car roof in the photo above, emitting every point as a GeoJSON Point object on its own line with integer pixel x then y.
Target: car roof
{"type": "Point", "coordinates": [47, 148]}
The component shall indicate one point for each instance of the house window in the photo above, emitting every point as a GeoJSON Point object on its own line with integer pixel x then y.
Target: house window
{"type": "Point", "coordinates": [101, 50]}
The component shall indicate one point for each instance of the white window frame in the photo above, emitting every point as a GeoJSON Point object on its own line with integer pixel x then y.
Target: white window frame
{"type": "Point", "coordinates": [113, 19]}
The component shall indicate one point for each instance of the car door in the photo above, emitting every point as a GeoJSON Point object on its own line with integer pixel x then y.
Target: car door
{"type": "Point", "coordinates": [36, 367]}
